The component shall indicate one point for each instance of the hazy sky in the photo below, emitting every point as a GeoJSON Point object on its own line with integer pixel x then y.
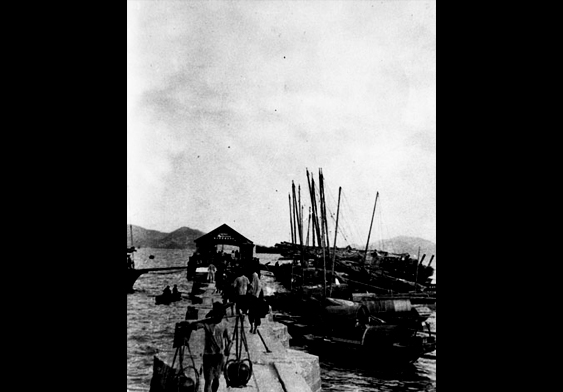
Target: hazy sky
{"type": "Point", "coordinates": [228, 102]}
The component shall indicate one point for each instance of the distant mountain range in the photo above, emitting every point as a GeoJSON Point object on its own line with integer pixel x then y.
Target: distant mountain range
{"type": "Point", "coordinates": [178, 239]}
{"type": "Point", "coordinates": [404, 244]}
{"type": "Point", "coordinates": [184, 238]}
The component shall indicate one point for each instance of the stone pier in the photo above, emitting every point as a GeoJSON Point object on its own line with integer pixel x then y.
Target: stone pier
{"type": "Point", "coordinates": [276, 367]}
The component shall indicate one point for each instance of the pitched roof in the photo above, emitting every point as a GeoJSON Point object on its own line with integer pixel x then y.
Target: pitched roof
{"type": "Point", "coordinates": [223, 233]}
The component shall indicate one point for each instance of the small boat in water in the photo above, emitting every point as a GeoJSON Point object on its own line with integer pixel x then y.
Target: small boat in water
{"type": "Point", "coordinates": [167, 299]}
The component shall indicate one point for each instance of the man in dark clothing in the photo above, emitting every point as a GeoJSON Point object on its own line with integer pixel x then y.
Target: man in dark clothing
{"type": "Point", "coordinates": [215, 350]}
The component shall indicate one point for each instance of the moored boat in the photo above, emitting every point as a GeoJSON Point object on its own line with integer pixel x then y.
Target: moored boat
{"type": "Point", "coordinates": [390, 332]}
{"type": "Point", "coordinates": [375, 270]}
{"type": "Point", "coordinates": [132, 276]}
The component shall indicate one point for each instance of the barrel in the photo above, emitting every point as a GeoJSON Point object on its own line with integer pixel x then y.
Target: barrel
{"type": "Point", "coordinates": [340, 318]}
{"type": "Point", "coordinates": [376, 306]}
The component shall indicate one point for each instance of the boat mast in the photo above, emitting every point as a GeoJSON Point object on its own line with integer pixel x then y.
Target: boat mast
{"type": "Point", "coordinates": [130, 224]}
{"type": "Point", "coordinates": [370, 226]}
{"type": "Point", "coordinates": [292, 240]}
{"type": "Point", "coordinates": [316, 228]}
{"type": "Point", "coordinates": [323, 231]}
{"type": "Point", "coordinates": [416, 273]}
{"type": "Point", "coordinates": [323, 207]}
{"type": "Point", "coordinates": [131, 231]}
{"type": "Point", "coordinates": [291, 219]}
{"type": "Point", "coordinates": [300, 212]}
{"type": "Point", "coordinates": [297, 220]}
{"type": "Point", "coordinates": [309, 230]}
{"type": "Point", "coordinates": [335, 234]}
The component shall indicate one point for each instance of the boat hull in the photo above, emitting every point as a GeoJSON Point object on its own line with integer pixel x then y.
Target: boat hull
{"type": "Point", "coordinates": [376, 356]}
{"type": "Point", "coordinates": [167, 299]}
{"type": "Point", "coordinates": [132, 276]}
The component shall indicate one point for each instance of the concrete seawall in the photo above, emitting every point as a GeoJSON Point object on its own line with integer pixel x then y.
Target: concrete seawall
{"type": "Point", "coordinates": [276, 367]}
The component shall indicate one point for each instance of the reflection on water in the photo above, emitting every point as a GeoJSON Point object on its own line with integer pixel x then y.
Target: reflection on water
{"type": "Point", "coordinates": [420, 376]}
{"type": "Point", "coordinates": [150, 329]}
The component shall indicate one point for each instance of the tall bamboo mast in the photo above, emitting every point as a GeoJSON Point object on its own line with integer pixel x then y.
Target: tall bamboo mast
{"type": "Point", "coordinates": [309, 230]}
{"type": "Point", "coordinates": [292, 239]}
{"type": "Point", "coordinates": [335, 234]}
{"type": "Point", "coordinates": [416, 273]}
{"type": "Point", "coordinates": [370, 226]}
{"type": "Point", "coordinates": [323, 207]}
{"type": "Point", "coordinates": [299, 224]}
{"type": "Point", "coordinates": [316, 226]}
{"type": "Point", "coordinates": [295, 214]}
{"type": "Point", "coordinates": [323, 232]}
{"type": "Point", "coordinates": [291, 219]}
{"type": "Point", "coordinates": [299, 212]}
{"type": "Point", "coordinates": [132, 246]}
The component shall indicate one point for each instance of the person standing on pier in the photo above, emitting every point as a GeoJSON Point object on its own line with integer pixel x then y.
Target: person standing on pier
{"type": "Point", "coordinates": [256, 297]}
{"type": "Point", "coordinates": [256, 285]}
{"type": "Point", "coordinates": [215, 350]}
{"type": "Point", "coordinates": [219, 278]}
{"type": "Point", "coordinates": [241, 299]}
{"type": "Point", "coordinates": [211, 273]}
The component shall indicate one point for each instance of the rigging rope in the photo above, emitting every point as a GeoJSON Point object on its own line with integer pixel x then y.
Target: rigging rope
{"type": "Point", "coordinates": [342, 230]}
{"type": "Point", "coordinates": [353, 218]}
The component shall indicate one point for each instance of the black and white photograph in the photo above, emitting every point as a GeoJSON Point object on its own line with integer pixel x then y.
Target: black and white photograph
{"type": "Point", "coordinates": [281, 196]}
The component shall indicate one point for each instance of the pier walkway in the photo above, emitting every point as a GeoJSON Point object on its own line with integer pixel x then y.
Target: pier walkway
{"type": "Point", "coordinates": [276, 367]}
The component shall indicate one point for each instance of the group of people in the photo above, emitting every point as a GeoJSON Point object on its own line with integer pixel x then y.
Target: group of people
{"type": "Point", "coordinates": [167, 292]}
{"type": "Point", "coordinates": [248, 297]}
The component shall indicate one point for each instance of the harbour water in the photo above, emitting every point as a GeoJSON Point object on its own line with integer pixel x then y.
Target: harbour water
{"type": "Point", "coordinates": [150, 329]}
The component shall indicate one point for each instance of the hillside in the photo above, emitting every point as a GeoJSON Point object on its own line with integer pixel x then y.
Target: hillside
{"type": "Point", "coordinates": [404, 244]}
{"type": "Point", "coordinates": [178, 239]}
{"type": "Point", "coordinates": [143, 238]}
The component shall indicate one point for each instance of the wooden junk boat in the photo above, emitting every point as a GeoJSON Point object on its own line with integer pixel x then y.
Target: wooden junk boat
{"type": "Point", "coordinates": [381, 274]}
{"type": "Point", "coordinates": [386, 332]}
{"type": "Point", "coordinates": [346, 270]}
